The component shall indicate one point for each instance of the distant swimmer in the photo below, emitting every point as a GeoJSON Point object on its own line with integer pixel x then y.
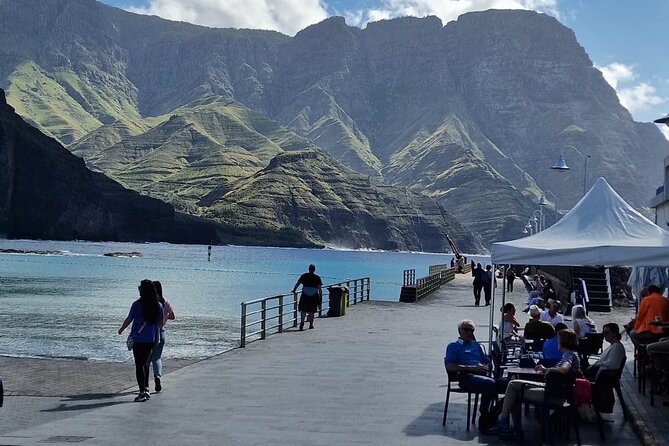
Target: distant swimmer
{"type": "Point", "coordinates": [311, 297]}
{"type": "Point", "coordinates": [209, 253]}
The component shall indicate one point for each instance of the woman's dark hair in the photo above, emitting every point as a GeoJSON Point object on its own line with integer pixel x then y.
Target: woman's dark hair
{"type": "Point", "coordinates": [614, 328]}
{"type": "Point", "coordinates": [568, 339]}
{"type": "Point", "coordinates": [149, 299]}
{"type": "Point", "coordinates": [508, 307]}
{"type": "Point", "coordinates": [159, 290]}
{"type": "Point", "coordinates": [560, 326]}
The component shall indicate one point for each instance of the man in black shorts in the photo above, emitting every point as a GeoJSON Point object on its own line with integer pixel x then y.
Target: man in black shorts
{"type": "Point", "coordinates": [311, 297]}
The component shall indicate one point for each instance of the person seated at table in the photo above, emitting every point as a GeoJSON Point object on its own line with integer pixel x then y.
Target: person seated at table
{"type": "Point", "coordinates": [652, 306]}
{"type": "Point", "coordinates": [612, 357]}
{"type": "Point", "coordinates": [466, 358]}
{"type": "Point", "coordinates": [581, 323]}
{"type": "Point", "coordinates": [642, 294]}
{"type": "Point", "coordinates": [551, 314]}
{"type": "Point", "coordinates": [536, 328]}
{"type": "Point", "coordinates": [550, 351]}
{"type": "Point", "coordinates": [534, 391]}
{"type": "Point", "coordinates": [509, 324]}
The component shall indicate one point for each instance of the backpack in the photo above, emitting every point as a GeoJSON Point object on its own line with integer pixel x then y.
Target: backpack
{"type": "Point", "coordinates": [582, 392]}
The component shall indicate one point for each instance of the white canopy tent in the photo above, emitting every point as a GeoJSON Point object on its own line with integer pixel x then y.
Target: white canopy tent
{"type": "Point", "coordinates": [601, 230]}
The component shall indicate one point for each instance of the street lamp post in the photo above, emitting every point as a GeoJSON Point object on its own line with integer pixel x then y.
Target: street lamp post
{"type": "Point", "coordinates": [543, 202]}
{"type": "Point", "coordinates": [561, 164]}
{"type": "Point", "coordinates": [540, 220]}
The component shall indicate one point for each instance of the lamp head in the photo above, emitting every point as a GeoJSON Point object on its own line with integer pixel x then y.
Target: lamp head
{"type": "Point", "coordinates": [542, 200]}
{"type": "Point", "coordinates": [664, 120]}
{"type": "Point", "coordinates": [561, 164]}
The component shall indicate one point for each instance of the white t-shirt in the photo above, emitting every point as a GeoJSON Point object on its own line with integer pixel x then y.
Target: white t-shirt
{"type": "Point", "coordinates": [545, 316]}
{"type": "Point", "coordinates": [612, 357]}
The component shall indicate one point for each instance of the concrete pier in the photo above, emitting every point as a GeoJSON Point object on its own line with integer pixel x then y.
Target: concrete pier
{"type": "Point", "coordinates": [374, 376]}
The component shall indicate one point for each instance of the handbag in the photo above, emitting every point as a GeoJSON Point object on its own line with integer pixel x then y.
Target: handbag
{"type": "Point", "coordinates": [131, 340]}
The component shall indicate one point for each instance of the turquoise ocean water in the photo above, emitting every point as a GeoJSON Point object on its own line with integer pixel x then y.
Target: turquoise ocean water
{"type": "Point", "coordinates": [72, 305]}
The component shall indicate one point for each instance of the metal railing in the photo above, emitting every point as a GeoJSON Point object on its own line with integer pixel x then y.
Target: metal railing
{"type": "Point", "coordinates": [267, 315]}
{"type": "Point", "coordinates": [409, 277]}
{"type": "Point", "coordinates": [432, 282]}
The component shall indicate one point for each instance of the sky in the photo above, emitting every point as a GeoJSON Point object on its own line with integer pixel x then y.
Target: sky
{"type": "Point", "coordinates": [626, 39]}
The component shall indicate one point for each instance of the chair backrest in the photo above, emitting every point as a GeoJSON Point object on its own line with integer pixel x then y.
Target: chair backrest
{"type": "Point", "coordinates": [536, 345]}
{"type": "Point", "coordinates": [560, 386]}
{"type": "Point", "coordinates": [591, 344]}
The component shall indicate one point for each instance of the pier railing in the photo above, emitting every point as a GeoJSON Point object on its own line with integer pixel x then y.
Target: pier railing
{"type": "Point", "coordinates": [414, 289]}
{"type": "Point", "coordinates": [268, 315]}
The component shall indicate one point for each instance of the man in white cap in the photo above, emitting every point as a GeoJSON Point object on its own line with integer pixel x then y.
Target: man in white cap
{"type": "Point", "coordinates": [536, 328]}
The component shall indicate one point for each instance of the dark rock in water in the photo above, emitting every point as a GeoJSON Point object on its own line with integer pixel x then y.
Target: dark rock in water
{"type": "Point", "coordinates": [123, 254]}
{"type": "Point", "coordinates": [30, 251]}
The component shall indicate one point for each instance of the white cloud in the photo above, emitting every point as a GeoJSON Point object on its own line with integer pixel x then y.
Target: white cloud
{"type": "Point", "coordinates": [286, 16]}
{"type": "Point", "coordinates": [634, 97]}
{"type": "Point", "coordinates": [665, 131]}
{"type": "Point", "coordinates": [639, 97]}
{"type": "Point", "coordinates": [617, 72]}
{"type": "Point", "coordinates": [446, 10]}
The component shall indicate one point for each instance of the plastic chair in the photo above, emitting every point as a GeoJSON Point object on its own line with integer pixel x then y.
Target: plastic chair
{"type": "Point", "coordinates": [471, 418]}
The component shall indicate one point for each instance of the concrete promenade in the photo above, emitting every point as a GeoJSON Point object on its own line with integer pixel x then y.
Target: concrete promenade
{"type": "Point", "coordinates": [374, 376]}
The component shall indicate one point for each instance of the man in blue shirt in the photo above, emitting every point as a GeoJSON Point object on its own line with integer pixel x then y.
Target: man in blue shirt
{"type": "Point", "coordinates": [466, 358]}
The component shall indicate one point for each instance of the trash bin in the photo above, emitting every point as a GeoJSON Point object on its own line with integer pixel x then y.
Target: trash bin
{"type": "Point", "coordinates": [337, 301]}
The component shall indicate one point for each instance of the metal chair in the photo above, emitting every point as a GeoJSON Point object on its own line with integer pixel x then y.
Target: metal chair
{"type": "Point", "coordinates": [611, 378]}
{"type": "Point", "coordinates": [471, 418]}
{"type": "Point", "coordinates": [559, 396]}
{"type": "Point", "coordinates": [591, 345]}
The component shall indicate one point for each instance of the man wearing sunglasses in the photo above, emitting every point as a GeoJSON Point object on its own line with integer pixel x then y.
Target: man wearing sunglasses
{"type": "Point", "coordinates": [467, 358]}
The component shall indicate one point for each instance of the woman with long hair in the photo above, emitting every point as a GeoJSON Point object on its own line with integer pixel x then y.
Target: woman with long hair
{"type": "Point", "coordinates": [582, 324]}
{"type": "Point", "coordinates": [146, 316]}
{"type": "Point", "coordinates": [156, 357]}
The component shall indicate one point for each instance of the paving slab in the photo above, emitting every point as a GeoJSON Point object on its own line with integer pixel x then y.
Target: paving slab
{"type": "Point", "coordinates": [374, 377]}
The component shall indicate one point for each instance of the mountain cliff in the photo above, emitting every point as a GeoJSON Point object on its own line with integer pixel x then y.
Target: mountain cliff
{"type": "Point", "coordinates": [46, 192]}
{"type": "Point", "coordinates": [470, 114]}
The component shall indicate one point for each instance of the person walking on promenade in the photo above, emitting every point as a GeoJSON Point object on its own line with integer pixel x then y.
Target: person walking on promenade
{"type": "Point", "coordinates": [311, 297]}
{"type": "Point", "coordinates": [478, 275]}
{"type": "Point", "coordinates": [510, 277]}
{"type": "Point", "coordinates": [146, 316]}
{"type": "Point", "coordinates": [156, 356]}
{"type": "Point", "coordinates": [487, 283]}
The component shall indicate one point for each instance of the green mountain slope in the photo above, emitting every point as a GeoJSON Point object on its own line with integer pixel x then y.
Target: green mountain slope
{"type": "Point", "coordinates": [309, 191]}
{"type": "Point", "coordinates": [505, 91]}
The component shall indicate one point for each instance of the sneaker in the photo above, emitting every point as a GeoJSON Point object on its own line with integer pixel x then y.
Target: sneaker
{"type": "Point", "coordinates": [311, 327]}
{"type": "Point", "coordinates": [159, 387]}
{"type": "Point", "coordinates": [147, 394]}
{"type": "Point", "coordinates": [302, 326]}
{"type": "Point", "coordinates": [140, 398]}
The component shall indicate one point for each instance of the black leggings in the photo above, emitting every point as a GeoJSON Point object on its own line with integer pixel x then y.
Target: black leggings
{"type": "Point", "coordinates": [142, 353]}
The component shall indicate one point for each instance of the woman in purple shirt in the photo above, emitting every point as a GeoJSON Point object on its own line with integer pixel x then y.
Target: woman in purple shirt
{"type": "Point", "coordinates": [146, 316]}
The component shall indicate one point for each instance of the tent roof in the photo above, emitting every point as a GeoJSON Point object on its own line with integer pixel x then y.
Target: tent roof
{"type": "Point", "coordinates": [602, 229]}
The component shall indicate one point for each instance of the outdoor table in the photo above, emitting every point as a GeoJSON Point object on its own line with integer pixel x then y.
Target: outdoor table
{"type": "Point", "coordinates": [527, 373]}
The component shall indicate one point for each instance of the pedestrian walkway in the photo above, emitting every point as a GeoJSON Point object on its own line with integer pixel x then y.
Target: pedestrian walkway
{"type": "Point", "coordinates": [374, 376]}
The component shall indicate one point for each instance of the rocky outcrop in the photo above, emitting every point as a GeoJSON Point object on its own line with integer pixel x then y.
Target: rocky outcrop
{"type": "Point", "coordinates": [309, 191]}
{"type": "Point", "coordinates": [46, 192]}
